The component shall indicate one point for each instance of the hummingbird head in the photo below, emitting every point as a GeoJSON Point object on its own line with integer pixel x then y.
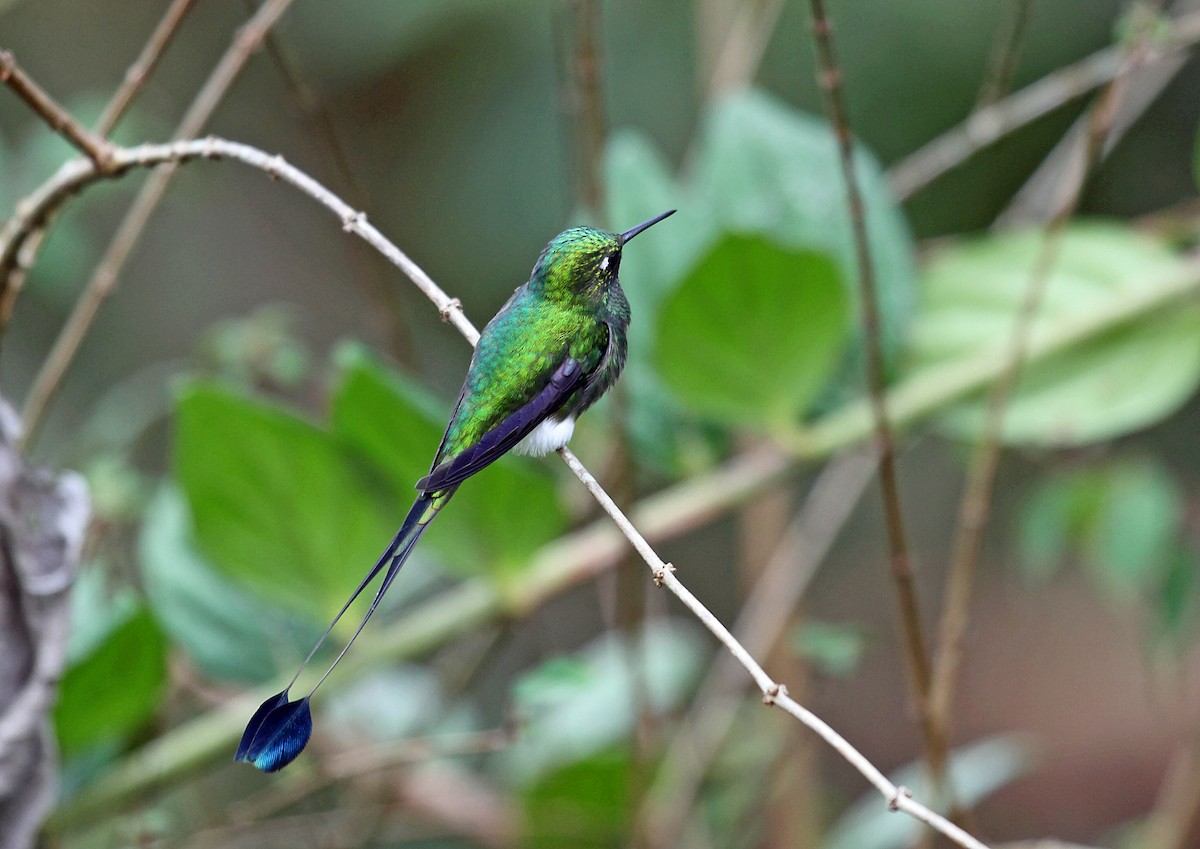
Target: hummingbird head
{"type": "Point", "coordinates": [584, 261]}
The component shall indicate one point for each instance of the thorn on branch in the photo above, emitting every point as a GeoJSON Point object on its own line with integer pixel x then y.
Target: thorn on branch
{"type": "Point", "coordinates": [771, 695]}
{"type": "Point", "coordinates": [353, 221]}
{"type": "Point", "coordinates": [660, 575]}
{"type": "Point", "coordinates": [902, 792]}
{"type": "Point", "coordinates": [453, 305]}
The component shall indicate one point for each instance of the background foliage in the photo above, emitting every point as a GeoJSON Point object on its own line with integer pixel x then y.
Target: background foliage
{"type": "Point", "coordinates": [253, 406]}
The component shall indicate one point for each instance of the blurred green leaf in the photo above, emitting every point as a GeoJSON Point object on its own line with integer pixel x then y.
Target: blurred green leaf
{"type": "Point", "coordinates": [753, 331]}
{"type": "Point", "coordinates": [1127, 379]}
{"type": "Point", "coordinates": [1177, 602]}
{"type": "Point", "coordinates": [259, 348]}
{"type": "Point", "coordinates": [584, 804]}
{"type": "Point", "coordinates": [1122, 520]}
{"type": "Point", "coordinates": [1136, 528]}
{"type": "Point", "coordinates": [227, 632]}
{"type": "Point", "coordinates": [975, 771]}
{"type": "Point", "coordinates": [578, 706]}
{"type": "Point", "coordinates": [639, 185]}
{"type": "Point", "coordinates": [276, 503]}
{"type": "Point", "coordinates": [117, 490]}
{"type": "Point", "coordinates": [115, 687]}
{"type": "Point", "coordinates": [1053, 520]}
{"type": "Point", "coordinates": [835, 649]}
{"type": "Point", "coordinates": [397, 426]}
{"type": "Point", "coordinates": [767, 169]}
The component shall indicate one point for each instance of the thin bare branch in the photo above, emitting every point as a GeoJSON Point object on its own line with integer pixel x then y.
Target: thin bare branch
{"type": "Point", "coordinates": [48, 109]}
{"type": "Point", "coordinates": [915, 651]}
{"type": "Point", "coordinates": [100, 286]}
{"type": "Point", "coordinates": [764, 616]}
{"type": "Point", "coordinates": [976, 501]}
{"type": "Point", "coordinates": [745, 42]}
{"type": "Point", "coordinates": [988, 125]}
{"type": "Point", "coordinates": [585, 103]}
{"type": "Point", "coordinates": [143, 66]}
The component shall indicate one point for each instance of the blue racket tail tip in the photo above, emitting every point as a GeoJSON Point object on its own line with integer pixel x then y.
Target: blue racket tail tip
{"type": "Point", "coordinates": [276, 734]}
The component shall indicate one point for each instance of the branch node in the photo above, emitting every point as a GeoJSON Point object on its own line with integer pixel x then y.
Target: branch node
{"type": "Point", "coordinates": [276, 165]}
{"type": "Point", "coordinates": [660, 574]}
{"type": "Point", "coordinates": [902, 792]}
{"type": "Point", "coordinates": [353, 221]}
{"type": "Point", "coordinates": [773, 693]}
{"type": "Point", "coordinates": [453, 305]}
{"type": "Point", "coordinates": [210, 150]}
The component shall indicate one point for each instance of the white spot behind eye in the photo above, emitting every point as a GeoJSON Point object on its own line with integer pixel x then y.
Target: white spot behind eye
{"type": "Point", "coordinates": [604, 263]}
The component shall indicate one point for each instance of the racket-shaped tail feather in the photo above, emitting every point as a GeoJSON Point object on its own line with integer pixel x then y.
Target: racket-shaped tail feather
{"type": "Point", "coordinates": [280, 728]}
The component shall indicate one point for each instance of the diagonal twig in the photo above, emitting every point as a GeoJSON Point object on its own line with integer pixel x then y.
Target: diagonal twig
{"type": "Point", "coordinates": [1003, 62]}
{"type": "Point", "coordinates": [104, 278]}
{"type": "Point", "coordinates": [990, 124]}
{"type": "Point", "coordinates": [91, 145]}
{"type": "Point", "coordinates": [766, 613]}
{"type": "Point", "coordinates": [142, 67]}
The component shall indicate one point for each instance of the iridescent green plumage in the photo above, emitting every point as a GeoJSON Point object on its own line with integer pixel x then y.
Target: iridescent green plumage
{"type": "Point", "coordinates": [572, 306]}
{"type": "Point", "coordinates": [549, 354]}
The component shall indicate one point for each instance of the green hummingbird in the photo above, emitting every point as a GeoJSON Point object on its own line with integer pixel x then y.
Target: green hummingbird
{"type": "Point", "coordinates": [551, 351]}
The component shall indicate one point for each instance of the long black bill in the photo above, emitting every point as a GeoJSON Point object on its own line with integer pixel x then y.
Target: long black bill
{"type": "Point", "coordinates": [633, 231]}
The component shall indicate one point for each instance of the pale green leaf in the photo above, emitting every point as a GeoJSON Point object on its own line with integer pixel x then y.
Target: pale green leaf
{"type": "Point", "coordinates": [1126, 379]}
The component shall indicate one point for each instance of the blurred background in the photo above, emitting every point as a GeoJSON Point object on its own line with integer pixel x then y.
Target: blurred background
{"type": "Point", "coordinates": [257, 395]}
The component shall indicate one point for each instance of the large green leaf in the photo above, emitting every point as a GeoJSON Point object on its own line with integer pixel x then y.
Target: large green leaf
{"type": "Point", "coordinates": [226, 631]}
{"type": "Point", "coordinates": [753, 332]}
{"type": "Point", "coordinates": [115, 686]}
{"type": "Point", "coordinates": [765, 168]}
{"type": "Point", "coordinates": [639, 186]}
{"type": "Point", "coordinates": [277, 504]}
{"type": "Point", "coordinates": [1124, 380]}
{"type": "Point", "coordinates": [495, 521]}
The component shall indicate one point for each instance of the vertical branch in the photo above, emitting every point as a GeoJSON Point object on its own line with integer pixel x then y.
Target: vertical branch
{"type": "Point", "coordinates": [1007, 49]}
{"type": "Point", "coordinates": [901, 569]}
{"type": "Point", "coordinates": [585, 104]}
{"type": "Point", "coordinates": [100, 286]}
{"type": "Point", "coordinates": [976, 501]}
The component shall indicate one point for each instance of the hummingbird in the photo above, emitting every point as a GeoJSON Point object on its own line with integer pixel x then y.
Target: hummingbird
{"type": "Point", "coordinates": [551, 351]}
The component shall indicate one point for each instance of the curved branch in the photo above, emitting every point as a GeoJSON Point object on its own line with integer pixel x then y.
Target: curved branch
{"type": "Point", "coordinates": [76, 175]}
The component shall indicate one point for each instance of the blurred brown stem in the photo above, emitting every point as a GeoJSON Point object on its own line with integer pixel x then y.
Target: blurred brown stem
{"type": "Point", "coordinates": [246, 41]}
{"type": "Point", "coordinates": [988, 125]}
{"type": "Point", "coordinates": [976, 501]}
{"type": "Point", "coordinates": [916, 653]}
{"type": "Point", "coordinates": [1005, 52]}
{"type": "Point", "coordinates": [143, 66]}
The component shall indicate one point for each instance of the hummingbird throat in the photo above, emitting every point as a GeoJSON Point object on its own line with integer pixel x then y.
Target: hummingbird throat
{"type": "Point", "coordinates": [548, 436]}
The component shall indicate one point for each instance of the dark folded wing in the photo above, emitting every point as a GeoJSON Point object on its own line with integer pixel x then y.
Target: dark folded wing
{"type": "Point", "coordinates": [493, 444]}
